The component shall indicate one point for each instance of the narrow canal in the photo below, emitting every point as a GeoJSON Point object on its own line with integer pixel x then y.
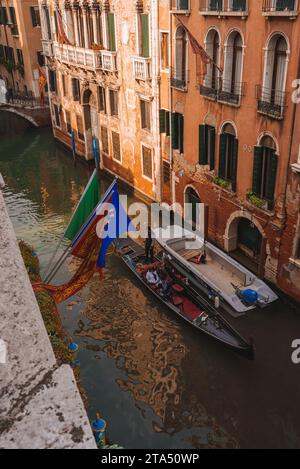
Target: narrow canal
{"type": "Point", "coordinates": [157, 382]}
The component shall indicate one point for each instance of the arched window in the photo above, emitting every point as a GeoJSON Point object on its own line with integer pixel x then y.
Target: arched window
{"type": "Point", "coordinates": [213, 50]}
{"type": "Point", "coordinates": [273, 91]}
{"type": "Point", "coordinates": [232, 86]}
{"type": "Point", "coordinates": [192, 210]}
{"type": "Point", "coordinates": [180, 79]}
{"type": "Point", "coordinates": [265, 170]}
{"type": "Point", "coordinates": [228, 155]}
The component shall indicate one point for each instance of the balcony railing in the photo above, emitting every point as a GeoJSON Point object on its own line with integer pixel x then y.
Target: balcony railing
{"type": "Point", "coordinates": [179, 80]}
{"type": "Point", "coordinates": [210, 90]}
{"type": "Point", "coordinates": [141, 68]}
{"type": "Point", "coordinates": [231, 92]}
{"type": "Point", "coordinates": [181, 7]}
{"type": "Point", "coordinates": [47, 48]}
{"type": "Point", "coordinates": [287, 8]}
{"type": "Point", "coordinates": [271, 103]}
{"type": "Point", "coordinates": [109, 61]}
{"type": "Point", "coordinates": [87, 58]}
{"type": "Point", "coordinates": [224, 8]}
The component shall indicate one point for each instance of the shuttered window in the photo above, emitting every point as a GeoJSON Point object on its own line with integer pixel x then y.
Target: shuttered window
{"type": "Point", "coordinates": [101, 99]}
{"type": "Point", "coordinates": [164, 51]}
{"type": "Point", "coordinates": [147, 162]}
{"type": "Point", "coordinates": [144, 35]}
{"type": "Point", "coordinates": [228, 158]}
{"type": "Point", "coordinates": [178, 132]}
{"type": "Point", "coordinates": [164, 122]}
{"type": "Point", "coordinates": [207, 144]}
{"type": "Point", "coordinates": [145, 115]}
{"type": "Point", "coordinates": [265, 172]}
{"type": "Point", "coordinates": [113, 99]}
{"type": "Point", "coordinates": [111, 32]}
{"type": "Point", "coordinates": [104, 140]}
{"type": "Point", "coordinates": [80, 129]}
{"type": "Point", "coordinates": [64, 82]}
{"type": "Point", "coordinates": [166, 172]}
{"type": "Point", "coordinates": [76, 89]}
{"type": "Point", "coordinates": [115, 136]}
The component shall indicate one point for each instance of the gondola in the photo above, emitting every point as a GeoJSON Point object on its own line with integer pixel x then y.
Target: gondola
{"type": "Point", "coordinates": [190, 307]}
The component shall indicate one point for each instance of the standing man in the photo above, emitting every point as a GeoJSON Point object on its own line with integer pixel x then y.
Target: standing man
{"type": "Point", "coordinates": [149, 246]}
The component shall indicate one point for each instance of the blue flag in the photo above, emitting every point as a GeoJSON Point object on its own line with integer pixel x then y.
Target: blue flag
{"type": "Point", "coordinates": [122, 225]}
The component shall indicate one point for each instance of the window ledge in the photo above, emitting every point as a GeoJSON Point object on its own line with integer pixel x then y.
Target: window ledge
{"type": "Point", "coordinates": [225, 14]}
{"type": "Point", "coordinates": [292, 15]}
{"type": "Point", "coordinates": [295, 262]}
{"type": "Point", "coordinates": [270, 115]}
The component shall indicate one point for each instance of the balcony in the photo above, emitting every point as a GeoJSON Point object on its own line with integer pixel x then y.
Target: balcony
{"type": "Point", "coordinates": [224, 92]}
{"type": "Point", "coordinates": [224, 8]}
{"type": "Point", "coordinates": [179, 80]}
{"type": "Point", "coordinates": [87, 58]}
{"type": "Point", "coordinates": [141, 68]}
{"type": "Point", "coordinates": [181, 7]}
{"type": "Point", "coordinates": [47, 48]}
{"type": "Point", "coordinates": [280, 8]}
{"type": "Point", "coordinates": [271, 103]}
{"type": "Point", "coordinates": [109, 61]}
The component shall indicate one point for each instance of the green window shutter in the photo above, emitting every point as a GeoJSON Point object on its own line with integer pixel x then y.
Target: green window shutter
{"type": "Point", "coordinates": [145, 35]}
{"type": "Point", "coordinates": [272, 176]}
{"type": "Point", "coordinates": [162, 121]}
{"type": "Point", "coordinates": [175, 129]}
{"type": "Point", "coordinates": [168, 123]}
{"type": "Point", "coordinates": [202, 145]}
{"type": "Point", "coordinates": [212, 148]}
{"type": "Point", "coordinates": [235, 163]}
{"type": "Point", "coordinates": [257, 170]}
{"type": "Point", "coordinates": [181, 133]}
{"type": "Point", "coordinates": [222, 156]}
{"type": "Point", "coordinates": [111, 31]}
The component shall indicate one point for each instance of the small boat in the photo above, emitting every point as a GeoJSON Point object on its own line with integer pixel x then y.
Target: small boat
{"type": "Point", "coordinates": [191, 307]}
{"type": "Point", "coordinates": [219, 276]}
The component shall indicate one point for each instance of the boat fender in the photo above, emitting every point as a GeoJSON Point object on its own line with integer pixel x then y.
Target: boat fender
{"type": "Point", "coordinates": [250, 296]}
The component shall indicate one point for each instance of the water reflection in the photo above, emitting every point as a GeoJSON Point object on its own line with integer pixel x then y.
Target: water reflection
{"type": "Point", "coordinates": [147, 346]}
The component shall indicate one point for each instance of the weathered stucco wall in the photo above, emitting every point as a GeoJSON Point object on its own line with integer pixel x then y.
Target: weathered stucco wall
{"type": "Point", "coordinates": [40, 405]}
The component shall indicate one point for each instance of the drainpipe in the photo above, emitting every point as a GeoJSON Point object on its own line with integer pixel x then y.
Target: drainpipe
{"type": "Point", "coordinates": [173, 193]}
{"type": "Point", "coordinates": [156, 88]}
{"type": "Point", "coordinates": [7, 43]}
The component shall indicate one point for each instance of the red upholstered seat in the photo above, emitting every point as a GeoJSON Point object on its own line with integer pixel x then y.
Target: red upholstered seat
{"type": "Point", "coordinates": [177, 300]}
{"type": "Point", "coordinates": [178, 288]}
{"type": "Point", "coordinates": [190, 310]}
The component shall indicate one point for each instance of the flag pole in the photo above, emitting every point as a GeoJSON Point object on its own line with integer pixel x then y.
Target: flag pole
{"type": "Point", "coordinates": [64, 233]}
{"type": "Point", "coordinates": [65, 254]}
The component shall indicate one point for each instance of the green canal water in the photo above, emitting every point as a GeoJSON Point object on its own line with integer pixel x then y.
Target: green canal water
{"type": "Point", "coordinates": [157, 382]}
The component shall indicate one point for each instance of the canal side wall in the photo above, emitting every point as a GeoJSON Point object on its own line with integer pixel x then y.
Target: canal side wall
{"type": "Point", "coordinates": [40, 404]}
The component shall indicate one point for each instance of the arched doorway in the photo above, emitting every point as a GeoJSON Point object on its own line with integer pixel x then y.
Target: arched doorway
{"type": "Point", "coordinates": [192, 209]}
{"type": "Point", "coordinates": [246, 244]}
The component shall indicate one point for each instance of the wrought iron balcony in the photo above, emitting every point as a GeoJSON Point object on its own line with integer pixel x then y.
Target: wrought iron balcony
{"type": "Point", "coordinates": [271, 103]}
{"type": "Point", "coordinates": [87, 58]}
{"type": "Point", "coordinates": [109, 61]}
{"type": "Point", "coordinates": [284, 8]}
{"type": "Point", "coordinates": [224, 8]}
{"type": "Point", "coordinates": [231, 92]}
{"type": "Point", "coordinates": [179, 80]}
{"type": "Point", "coordinates": [141, 68]}
{"type": "Point", "coordinates": [209, 91]}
